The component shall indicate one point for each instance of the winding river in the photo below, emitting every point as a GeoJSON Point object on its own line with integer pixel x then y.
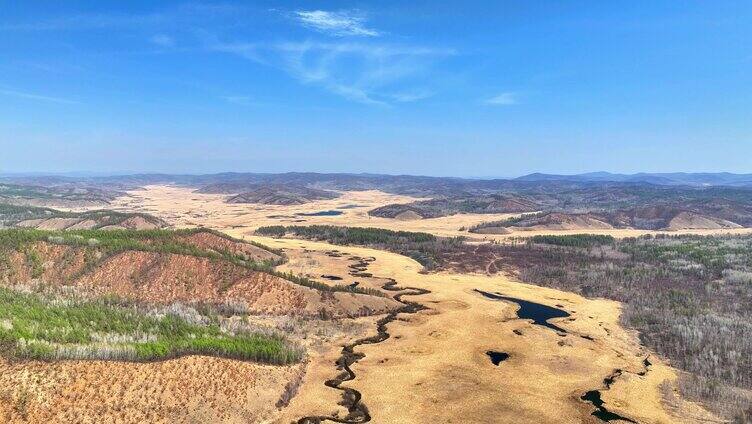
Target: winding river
{"type": "Point", "coordinates": [351, 398]}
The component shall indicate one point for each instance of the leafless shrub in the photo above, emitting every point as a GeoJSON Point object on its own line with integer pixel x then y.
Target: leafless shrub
{"type": "Point", "coordinates": [291, 389]}
{"type": "Point", "coordinates": [56, 239]}
{"type": "Point", "coordinates": [689, 297]}
{"type": "Point", "coordinates": [181, 311]}
{"type": "Point", "coordinates": [723, 399]}
{"type": "Point", "coordinates": [734, 276]}
{"type": "Point", "coordinates": [232, 307]}
{"type": "Point", "coordinates": [6, 324]}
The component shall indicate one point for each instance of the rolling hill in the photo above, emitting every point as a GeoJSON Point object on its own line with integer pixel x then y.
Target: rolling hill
{"type": "Point", "coordinates": [282, 195]}
{"type": "Point", "coordinates": [168, 266]}
{"type": "Point", "coordinates": [51, 219]}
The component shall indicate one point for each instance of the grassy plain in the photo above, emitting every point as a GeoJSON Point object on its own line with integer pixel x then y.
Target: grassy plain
{"type": "Point", "coordinates": [438, 357]}
{"type": "Point", "coordinates": [182, 207]}
{"type": "Point", "coordinates": [434, 366]}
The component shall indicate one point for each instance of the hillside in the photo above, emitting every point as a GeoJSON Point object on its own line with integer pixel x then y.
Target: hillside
{"type": "Point", "coordinates": [594, 205]}
{"type": "Point", "coordinates": [51, 219]}
{"type": "Point", "coordinates": [666, 218]}
{"type": "Point", "coordinates": [670, 178]}
{"type": "Point", "coordinates": [282, 195]}
{"type": "Point", "coordinates": [67, 195]}
{"type": "Point", "coordinates": [644, 218]}
{"type": "Point", "coordinates": [164, 267]}
{"type": "Point", "coordinates": [449, 206]}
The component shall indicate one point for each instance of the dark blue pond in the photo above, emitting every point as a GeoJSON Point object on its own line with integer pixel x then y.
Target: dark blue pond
{"type": "Point", "coordinates": [497, 357]}
{"type": "Point", "coordinates": [594, 397]}
{"type": "Point", "coordinates": [540, 314]}
{"type": "Point", "coordinates": [320, 213]}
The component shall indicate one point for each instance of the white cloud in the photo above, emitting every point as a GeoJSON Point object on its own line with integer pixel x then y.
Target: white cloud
{"type": "Point", "coordinates": [163, 40]}
{"type": "Point", "coordinates": [365, 73]}
{"type": "Point", "coordinates": [340, 24]}
{"type": "Point", "coordinates": [411, 96]}
{"type": "Point", "coordinates": [39, 97]}
{"type": "Point", "coordinates": [503, 99]}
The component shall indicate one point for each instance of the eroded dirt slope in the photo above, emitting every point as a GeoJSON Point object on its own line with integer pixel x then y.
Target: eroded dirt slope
{"type": "Point", "coordinates": [164, 278]}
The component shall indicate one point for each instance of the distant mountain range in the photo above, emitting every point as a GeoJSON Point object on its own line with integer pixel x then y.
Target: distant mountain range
{"type": "Point", "coordinates": [673, 178]}
{"type": "Point", "coordinates": [401, 184]}
{"type": "Point", "coordinates": [644, 201]}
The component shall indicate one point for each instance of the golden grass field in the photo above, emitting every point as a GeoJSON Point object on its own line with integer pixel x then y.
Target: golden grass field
{"type": "Point", "coordinates": [182, 207]}
{"type": "Point", "coordinates": [433, 368]}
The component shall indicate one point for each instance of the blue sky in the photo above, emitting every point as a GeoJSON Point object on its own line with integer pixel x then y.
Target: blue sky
{"type": "Point", "coordinates": [464, 88]}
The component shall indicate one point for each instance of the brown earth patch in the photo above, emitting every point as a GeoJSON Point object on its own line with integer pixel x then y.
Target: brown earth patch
{"type": "Point", "coordinates": [164, 278]}
{"type": "Point", "coordinates": [138, 223]}
{"type": "Point", "coordinates": [186, 390]}
{"type": "Point", "coordinates": [408, 216]}
{"type": "Point", "coordinates": [689, 220]}
{"type": "Point", "coordinates": [211, 241]}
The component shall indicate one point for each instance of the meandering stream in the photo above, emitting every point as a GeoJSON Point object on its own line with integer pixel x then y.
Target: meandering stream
{"type": "Point", "coordinates": [357, 412]}
{"type": "Point", "coordinates": [540, 314]}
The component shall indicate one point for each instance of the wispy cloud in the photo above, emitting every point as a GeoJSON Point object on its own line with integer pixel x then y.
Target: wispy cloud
{"type": "Point", "coordinates": [411, 96]}
{"type": "Point", "coordinates": [51, 67]}
{"type": "Point", "coordinates": [37, 97]}
{"type": "Point", "coordinates": [366, 73]}
{"type": "Point", "coordinates": [340, 24]}
{"type": "Point", "coordinates": [503, 99]}
{"type": "Point", "coordinates": [360, 67]}
{"type": "Point", "coordinates": [163, 40]}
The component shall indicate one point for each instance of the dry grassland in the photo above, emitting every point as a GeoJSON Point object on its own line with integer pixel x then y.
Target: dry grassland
{"type": "Point", "coordinates": [433, 368]}
{"type": "Point", "coordinates": [182, 207]}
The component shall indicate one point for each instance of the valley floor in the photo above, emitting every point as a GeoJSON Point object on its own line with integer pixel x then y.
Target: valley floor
{"type": "Point", "coordinates": [433, 368]}
{"type": "Point", "coordinates": [183, 207]}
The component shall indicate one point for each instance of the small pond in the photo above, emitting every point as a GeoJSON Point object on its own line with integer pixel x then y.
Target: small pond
{"type": "Point", "coordinates": [320, 213]}
{"type": "Point", "coordinates": [497, 357]}
{"type": "Point", "coordinates": [540, 314]}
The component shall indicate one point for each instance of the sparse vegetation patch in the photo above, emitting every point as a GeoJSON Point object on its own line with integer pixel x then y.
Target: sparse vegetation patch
{"type": "Point", "coordinates": [101, 244]}
{"type": "Point", "coordinates": [53, 328]}
{"type": "Point", "coordinates": [574, 240]}
{"type": "Point", "coordinates": [422, 247]}
{"type": "Point", "coordinates": [690, 297]}
{"type": "Point", "coordinates": [511, 221]}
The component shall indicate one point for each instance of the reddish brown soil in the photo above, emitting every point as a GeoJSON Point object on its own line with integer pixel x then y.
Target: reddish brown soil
{"type": "Point", "coordinates": [210, 241]}
{"type": "Point", "coordinates": [138, 223]}
{"type": "Point", "coordinates": [193, 389]}
{"type": "Point", "coordinates": [59, 263]}
{"type": "Point", "coordinates": [163, 278]}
